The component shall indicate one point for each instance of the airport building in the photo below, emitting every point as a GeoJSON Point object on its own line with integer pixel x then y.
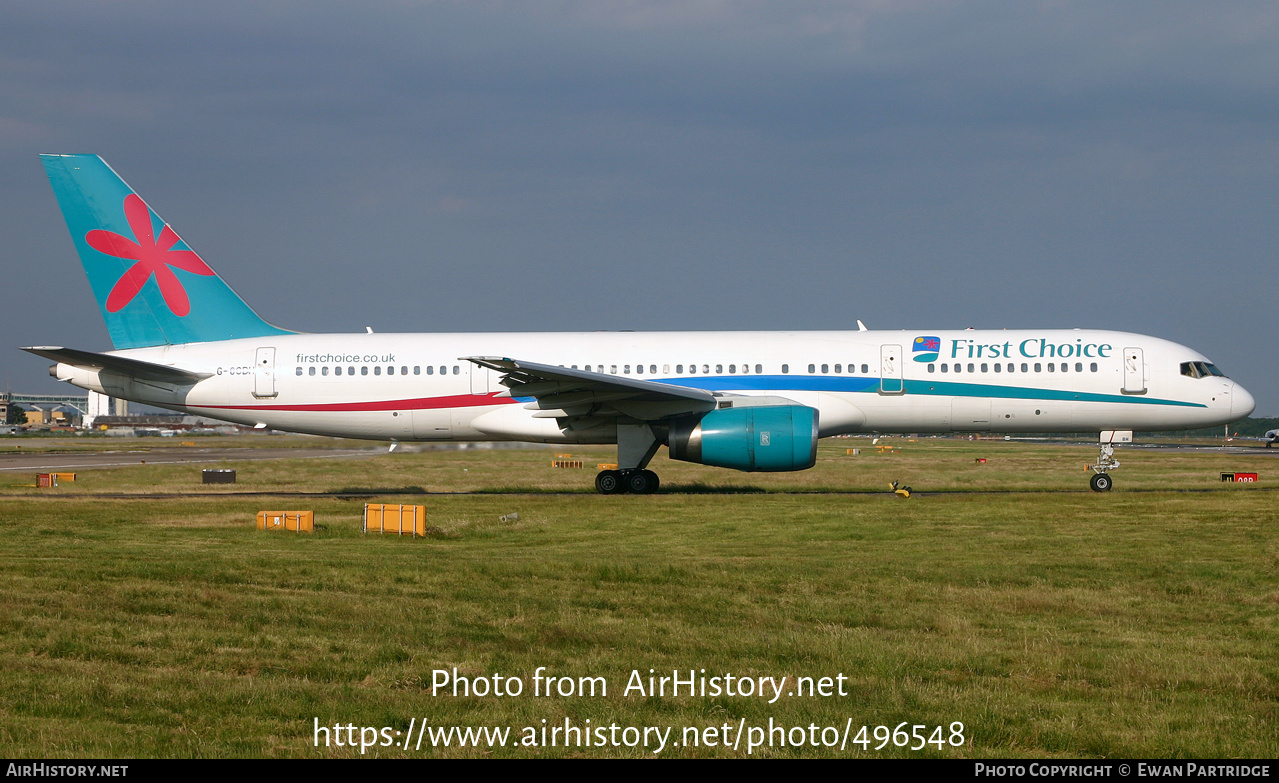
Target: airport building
{"type": "Point", "coordinates": [62, 409]}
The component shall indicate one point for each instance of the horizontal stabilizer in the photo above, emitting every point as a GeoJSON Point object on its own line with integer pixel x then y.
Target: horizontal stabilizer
{"type": "Point", "coordinates": [132, 368]}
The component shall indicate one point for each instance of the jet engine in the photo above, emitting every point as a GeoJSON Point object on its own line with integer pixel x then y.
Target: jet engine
{"type": "Point", "coordinates": [756, 438]}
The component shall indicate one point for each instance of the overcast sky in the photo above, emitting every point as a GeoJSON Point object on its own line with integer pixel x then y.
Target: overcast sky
{"type": "Point", "coordinates": [493, 166]}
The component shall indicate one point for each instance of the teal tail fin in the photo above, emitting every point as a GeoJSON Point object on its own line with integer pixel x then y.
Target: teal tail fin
{"type": "Point", "coordinates": [151, 288]}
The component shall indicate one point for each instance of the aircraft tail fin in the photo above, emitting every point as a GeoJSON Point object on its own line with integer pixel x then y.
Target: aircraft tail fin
{"type": "Point", "coordinates": [151, 287]}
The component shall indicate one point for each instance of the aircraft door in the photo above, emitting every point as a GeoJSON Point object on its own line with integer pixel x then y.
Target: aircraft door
{"type": "Point", "coordinates": [1134, 371]}
{"type": "Point", "coordinates": [264, 373]}
{"type": "Point", "coordinates": [890, 370]}
{"type": "Point", "coordinates": [482, 380]}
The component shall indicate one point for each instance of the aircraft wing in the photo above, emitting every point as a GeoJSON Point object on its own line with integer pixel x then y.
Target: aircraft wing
{"type": "Point", "coordinates": [588, 398]}
{"type": "Point", "coordinates": [133, 368]}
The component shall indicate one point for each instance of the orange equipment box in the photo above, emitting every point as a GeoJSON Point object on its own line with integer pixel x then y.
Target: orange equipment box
{"type": "Point", "coordinates": [395, 518]}
{"type": "Point", "coordinates": [300, 521]}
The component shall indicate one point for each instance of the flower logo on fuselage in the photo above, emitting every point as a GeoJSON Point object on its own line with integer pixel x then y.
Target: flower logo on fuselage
{"type": "Point", "coordinates": [153, 257]}
{"type": "Point", "coordinates": [926, 348]}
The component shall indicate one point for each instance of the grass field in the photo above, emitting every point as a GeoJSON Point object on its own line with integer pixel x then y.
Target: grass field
{"type": "Point", "coordinates": [1049, 620]}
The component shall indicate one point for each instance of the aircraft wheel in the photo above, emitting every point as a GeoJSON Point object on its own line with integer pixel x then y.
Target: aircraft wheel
{"type": "Point", "coordinates": [1100, 482]}
{"type": "Point", "coordinates": [641, 482]}
{"type": "Point", "coordinates": [609, 482]}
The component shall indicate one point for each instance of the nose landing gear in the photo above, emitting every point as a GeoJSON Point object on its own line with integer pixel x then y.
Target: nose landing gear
{"type": "Point", "coordinates": [1106, 462]}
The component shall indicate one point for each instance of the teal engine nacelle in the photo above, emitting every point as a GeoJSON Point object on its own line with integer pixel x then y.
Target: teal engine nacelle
{"type": "Point", "coordinates": [754, 438]}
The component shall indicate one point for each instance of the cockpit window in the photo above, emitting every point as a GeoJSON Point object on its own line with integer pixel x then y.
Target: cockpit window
{"type": "Point", "coordinates": [1201, 370]}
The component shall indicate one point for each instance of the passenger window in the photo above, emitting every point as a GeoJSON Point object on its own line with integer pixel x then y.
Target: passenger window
{"type": "Point", "coordinates": [759, 368]}
{"type": "Point", "coordinates": [457, 370]}
{"type": "Point", "coordinates": [1024, 367]}
{"type": "Point", "coordinates": [299, 371]}
{"type": "Point", "coordinates": [932, 368]}
{"type": "Point", "coordinates": [364, 370]}
{"type": "Point", "coordinates": [732, 369]}
{"type": "Point", "coordinates": [652, 369]}
{"type": "Point", "coordinates": [719, 369]}
{"type": "Point", "coordinates": [785, 369]}
{"type": "Point", "coordinates": [350, 371]}
{"type": "Point", "coordinates": [997, 366]}
{"type": "Point", "coordinates": [971, 367]}
{"type": "Point", "coordinates": [825, 369]}
{"type": "Point", "coordinates": [1051, 367]}
{"type": "Point", "coordinates": [984, 367]}
{"type": "Point", "coordinates": [865, 369]}
{"type": "Point", "coordinates": [837, 368]}
{"type": "Point", "coordinates": [404, 371]}
{"type": "Point", "coordinates": [706, 369]}
{"type": "Point", "coordinates": [959, 367]}
{"type": "Point", "coordinates": [377, 370]}
{"type": "Point", "coordinates": [310, 371]}
{"type": "Point", "coordinates": [1079, 366]}
{"type": "Point", "coordinates": [613, 368]}
{"type": "Point", "coordinates": [943, 367]}
{"type": "Point", "coordinates": [1038, 367]}
{"type": "Point", "coordinates": [1094, 367]}
{"type": "Point", "coordinates": [666, 369]}
{"type": "Point", "coordinates": [324, 371]}
{"type": "Point", "coordinates": [417, 369]}
{"type": "Point", "coordinates": [812, 368]}
{"type": "Point", "coordinates": [679, 369]}
{"type": "Point", "coordinates": [430, 369]}
{"type": "Point", "coordinates": [337, 370]}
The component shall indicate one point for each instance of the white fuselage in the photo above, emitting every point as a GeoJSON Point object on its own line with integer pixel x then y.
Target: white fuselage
{"type": "Point", "coordinates": [409, 387]}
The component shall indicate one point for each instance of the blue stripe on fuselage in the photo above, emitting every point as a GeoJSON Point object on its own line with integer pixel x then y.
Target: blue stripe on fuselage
{"type": "Point", "coordinates": [864, 385]}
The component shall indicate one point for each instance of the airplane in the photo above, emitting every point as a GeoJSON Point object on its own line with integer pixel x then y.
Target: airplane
{"type": "Point", "coordinates": [1271, 437]}
{"type": "Point", "coordinates": [749, 401]}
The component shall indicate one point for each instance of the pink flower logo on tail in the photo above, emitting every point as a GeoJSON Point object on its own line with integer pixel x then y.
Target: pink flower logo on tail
{"type": "Point", "coordinates": [153, 257]}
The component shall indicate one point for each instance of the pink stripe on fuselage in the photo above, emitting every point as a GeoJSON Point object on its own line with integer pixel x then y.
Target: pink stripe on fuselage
{"type": "Point", "coordinates": [420, 403]}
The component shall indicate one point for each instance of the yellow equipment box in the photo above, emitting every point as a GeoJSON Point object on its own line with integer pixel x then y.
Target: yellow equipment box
{"type": "Point", "coordinates": [395, 518]}
{"type": "Point", "coordinates": [300, 521]}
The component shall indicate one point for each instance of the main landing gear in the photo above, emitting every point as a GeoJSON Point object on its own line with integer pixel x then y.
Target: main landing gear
{"type": "Point", "coordinates": [637, 482]}
{"type": "Point", "coordinates": [636, 445]}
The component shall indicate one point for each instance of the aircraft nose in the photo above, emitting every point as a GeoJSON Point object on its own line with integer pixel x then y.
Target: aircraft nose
{"type": "Point", "coordinates": [1241, 402]}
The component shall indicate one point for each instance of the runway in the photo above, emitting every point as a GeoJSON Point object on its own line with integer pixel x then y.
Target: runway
{"type": "Point", "coordinates": [47, 462]}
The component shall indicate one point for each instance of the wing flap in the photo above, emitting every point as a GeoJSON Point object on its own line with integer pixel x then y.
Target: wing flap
{"type": "Point", "coordinates": [581, 394]}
